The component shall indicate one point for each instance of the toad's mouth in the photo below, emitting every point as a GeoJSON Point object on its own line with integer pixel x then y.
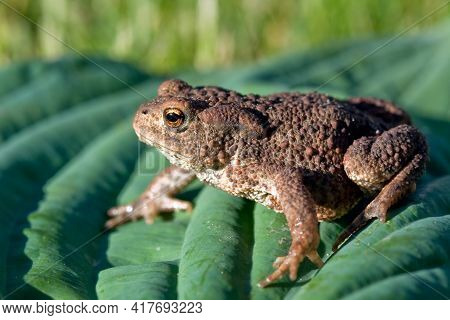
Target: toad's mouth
{"type": "Point", "coordinates": [155, 144]}
{"type": "Point", "coordinates": [144, 136]}
{"type": "Point", "coordinates": [174, 156]}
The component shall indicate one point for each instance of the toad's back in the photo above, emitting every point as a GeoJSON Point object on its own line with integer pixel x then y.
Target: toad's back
{"type": "Point", "coordinates": [311, 132]}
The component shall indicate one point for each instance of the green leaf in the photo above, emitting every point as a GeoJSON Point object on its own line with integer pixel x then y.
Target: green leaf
{"type": "Point", "coordinates": [424, 284]}
{"type": "Point", "coordinates": [215, 257]}
{"type": "Point", "coordinates": [60, 89]}
{"type": "Point", "coordinates": [272, 239]}
{"type": "Point", "coordinates": [436, 132]}
{"type": "Point", "coordinates": [65, 260]}
{"type": "Point", "coordinates": [15, 75]}
{"type": "Point", "coordinates": [153, 281]}
{"type": "Point", "coordinates": [31, 157]}
{"type": "Point", "coordinates": [137, 243]}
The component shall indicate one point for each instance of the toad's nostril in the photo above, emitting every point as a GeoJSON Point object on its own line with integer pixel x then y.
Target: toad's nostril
{"type": "Point", "coordinates": [144, 111]}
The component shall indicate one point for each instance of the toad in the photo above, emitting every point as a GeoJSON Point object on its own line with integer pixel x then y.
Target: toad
{"type": "Point", "coordinates": [306, 155]}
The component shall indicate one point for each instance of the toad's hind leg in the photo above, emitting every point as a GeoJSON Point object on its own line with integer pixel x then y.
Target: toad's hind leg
{"type": "Point", "coordinates": [389, 164]}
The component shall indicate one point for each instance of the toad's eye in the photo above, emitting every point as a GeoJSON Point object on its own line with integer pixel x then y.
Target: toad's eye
{"type": "Point", "coordinates": [174, 117]}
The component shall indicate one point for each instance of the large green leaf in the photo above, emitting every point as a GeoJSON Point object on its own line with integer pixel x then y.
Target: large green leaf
{"type": "Point", "coordinates": [31, 157]}
{"type": "Point", "coordinates": [59, 89]}
{"type": "Point", "coordinates": [272, 239]}
{"type": "Point", "coordinates": [65, 260]}
{"type": "Point", "coordinates": [215, 257]}
{"type": "Point", "coordinates": [16, 75]}
{"type": "Point", "coordinates": [154, 281]}
{"type": "Point", "coordinates": [137, 243]}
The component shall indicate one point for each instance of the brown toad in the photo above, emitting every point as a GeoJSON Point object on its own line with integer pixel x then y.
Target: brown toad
{"type": "Point", "coordinates": [309, 156]}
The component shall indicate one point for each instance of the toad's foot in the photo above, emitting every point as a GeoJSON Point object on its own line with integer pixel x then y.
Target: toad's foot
{"type": "Point", "coordinates": [148, 209]}
{"type": "Point", "coordinates": [299, 209]}
{"type": "Point", "coordinates": [313, 256]}
{"type": "Point", "coordinates": [290, 263]}
{"type": "Point", "coordinates": [157, 198]}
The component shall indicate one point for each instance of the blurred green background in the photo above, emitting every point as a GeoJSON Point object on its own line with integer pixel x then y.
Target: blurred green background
{"type": "Point", "coordinates": [165, 36]}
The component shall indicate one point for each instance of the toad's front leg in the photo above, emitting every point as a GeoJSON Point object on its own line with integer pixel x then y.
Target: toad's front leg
{"type": "Point", "coordinates": [158, 197]}
{"type": "Point", "coordinates": [299, 208]}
